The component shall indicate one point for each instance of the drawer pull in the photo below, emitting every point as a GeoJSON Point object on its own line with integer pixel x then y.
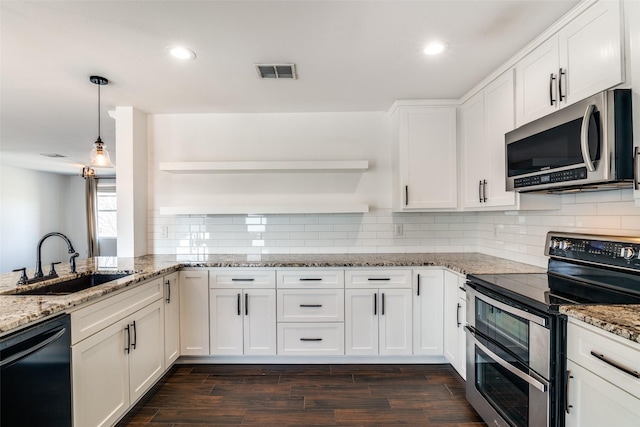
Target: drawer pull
{"type": "Point", "coordinates": [242, 280]}
{"type": "Point", "coordinates": [379, 279]}
{"type": "Point", "coordinates": [239, 308]}
{"type": "Point", "coordinates": [310, 305]}
{"type": "Point", "coordinates": [310, 339]}
{"type": "Point", "coordinates": [310, 279]}
{"type": "Point", "coordinates": [616, 365]}
{"type": "Point", "coordinates": [418, 279]}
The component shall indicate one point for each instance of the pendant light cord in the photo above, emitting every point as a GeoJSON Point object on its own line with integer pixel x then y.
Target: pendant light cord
{"type": "Point", "coordinates": [98, 112]}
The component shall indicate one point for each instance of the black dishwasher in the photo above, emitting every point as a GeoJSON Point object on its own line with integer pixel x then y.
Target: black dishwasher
{"type": "Point", "coordinates": [35, 375]}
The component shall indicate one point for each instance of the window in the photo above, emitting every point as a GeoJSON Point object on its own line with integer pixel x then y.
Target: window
{"type": "Point", "coordinates": [107, 217]}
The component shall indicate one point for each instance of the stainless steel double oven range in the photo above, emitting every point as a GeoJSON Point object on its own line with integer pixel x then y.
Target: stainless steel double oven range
{"type": "Point", "coordinates": [516, 337]}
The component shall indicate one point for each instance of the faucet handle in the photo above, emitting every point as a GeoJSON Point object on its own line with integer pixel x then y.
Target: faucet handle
{"type": "Point", "coordinates": [23, 277]}
{"type": "Point", "coordinates": [72, 262]}
{"type": "Point", "coordinates": [53, 272]}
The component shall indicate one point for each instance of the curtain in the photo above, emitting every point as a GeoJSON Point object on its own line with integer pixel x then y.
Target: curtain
{"type": "Point", "coordinates": [91, 208]}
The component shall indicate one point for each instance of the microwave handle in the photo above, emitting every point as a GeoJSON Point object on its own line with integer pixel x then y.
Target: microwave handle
{"type": "Point", "coordinates": [584, 138]}
{"type": "Point", "coordinates": [636, 153]}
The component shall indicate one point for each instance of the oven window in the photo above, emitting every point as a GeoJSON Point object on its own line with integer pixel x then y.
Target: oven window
{"type": "Point", "coordinates": [553, 148]}
{"type": "Point", "coordinates": [509, 330]}
{"type": "Point", "coordinates": [507, 393]}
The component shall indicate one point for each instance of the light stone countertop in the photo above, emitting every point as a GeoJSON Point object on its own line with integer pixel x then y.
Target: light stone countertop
{"type": "Point", "coordinates": [621, 320]}
{"type": "Point", "coordinates": [17, 311]}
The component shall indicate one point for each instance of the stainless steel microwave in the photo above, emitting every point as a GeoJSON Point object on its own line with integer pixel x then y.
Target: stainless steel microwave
{"type": "Point", "coordinates": [585, 146]}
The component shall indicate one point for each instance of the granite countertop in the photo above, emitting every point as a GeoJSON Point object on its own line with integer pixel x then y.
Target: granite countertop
{"type": "Point", "coordinates": [621, 320]}
{"type": "Point", "coordinates": [17, 310]}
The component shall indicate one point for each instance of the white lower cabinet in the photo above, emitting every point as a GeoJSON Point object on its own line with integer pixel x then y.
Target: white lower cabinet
{"type": "Point", "coordinates": [171, 318]}
{"type": "Point", "coordinates": [378, 322]}
{"type": "Point", "coordinates": [194, 312]}
{"type": "Point", "coordinates": [113, 367]}
{"type": "Point", "coordinates": [428, 300]}
{"type": "Point", "coordinates": [242, 312]}
{"type": "Point", "coordinates": [602, 388]}
{"type": "Point", "coordinates": [243, 321]}
{"type": "Point", "coordinates": [455, 307]}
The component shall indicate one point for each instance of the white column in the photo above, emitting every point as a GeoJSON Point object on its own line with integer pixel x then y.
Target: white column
{"type": "Point", "coordinates": [131, 181]}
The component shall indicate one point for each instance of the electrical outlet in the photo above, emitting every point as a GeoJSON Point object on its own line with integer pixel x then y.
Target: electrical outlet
{"type": "Point", "coordinates": [164, 232]}
{"type": "Point", "coordinates": [398, 230]}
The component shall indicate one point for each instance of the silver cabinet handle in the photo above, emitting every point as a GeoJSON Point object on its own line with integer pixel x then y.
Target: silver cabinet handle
{"type": "Point", "coordinates": [539, 385]}
{"type": "Point", "coordinates": [552, 79]}
{"type": "Point", "coordinates": [135, 335]}
{"type": "Point", "coordinates": [310, 305]}
{"type": "Point", "coordinates": [458, 314]}
{"type": "Point", "coordinates": [310, 339]}
{"type": "Point", "coordinates": [636, 153]}
{"type": "Point", "coordinates": [484, 191]}
{"type": "Point", "coordinates": [242, 280]}
{"type": "Point", "coordinates": [567, 406]}
{"type": "Point", "coordinates": [615, 364]}
{"type": "Point", "coordinates": [584, 138]}
{"type": "Point", "coordinates": [310, 279]}
{"type": "Point", "coordinates": [168, 291]}
{"type": "Point", "coordinates": [480, 191]}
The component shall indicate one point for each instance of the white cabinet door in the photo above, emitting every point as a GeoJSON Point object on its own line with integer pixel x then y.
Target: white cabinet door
{"type": "Point", "coordinates": [591, 52]}
{"type": "Point", "coordinates": [101, 377]}
{"type": "Point", "coordinates": [260, 322]}
{"type": "Point", "coordinates": [395, 322]}
{"type": "Point", "coordinates": [485, 118]}
{"type": "Point", "coordinates": [427, 158]}
{"type": "Point", "coordinates": [146, 363]}
{"type": "Point", "coordinates": [361, 323]}
{"type": "Point", "coordinates": [474, 152]}
{"type": "Point", "coordinates": [537, 82]}
{"type": "Point", "coordinates": [595, 402]}
{"type": "Point", "coordinates": [226, 321]}
{"type": "Point", "coordinates": [499, 118]}
{"type": "Point", "coordinates": [454, 321]}
{"type": "Point", "coordinates": [428, 303]}
{"type": "Point", "coordinates": [194, 312]}
{"type": "Point", "coordinates": [171, 319]}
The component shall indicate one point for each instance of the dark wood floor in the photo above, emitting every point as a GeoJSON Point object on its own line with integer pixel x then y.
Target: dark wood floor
{"type": "Point", "coordinates": [302, 395]}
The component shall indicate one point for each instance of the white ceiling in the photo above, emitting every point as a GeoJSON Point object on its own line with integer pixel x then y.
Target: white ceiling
{"type": "Point", "coordinates": [350, 56]}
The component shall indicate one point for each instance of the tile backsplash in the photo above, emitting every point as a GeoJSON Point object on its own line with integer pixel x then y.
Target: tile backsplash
{"type": "Point", "coordinates": [518, 236]}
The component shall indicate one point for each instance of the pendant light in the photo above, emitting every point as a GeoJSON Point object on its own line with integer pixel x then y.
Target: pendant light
{"type": "Point", "coordinates": [99, 157]}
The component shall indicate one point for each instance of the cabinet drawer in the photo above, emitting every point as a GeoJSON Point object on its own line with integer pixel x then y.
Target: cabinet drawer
{"type": "Point", "coordinates": [582, 339]}
{"type": "Point", "coordinates": [89, 320]}
{"type": "Point", "coordinates": [242, 279]}
{"type": "Point", "coordinates": [310, 278]}
{"type": "Point", "coordinates": [378, 278]}
{"type": "Point", "coordinates": [310, 305]}
{"type": "Point", "coordinates": [308, 339]}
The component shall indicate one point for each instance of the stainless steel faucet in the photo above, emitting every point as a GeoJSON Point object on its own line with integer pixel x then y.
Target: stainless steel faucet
{"type": "Point", "coordinates": [72, 260]}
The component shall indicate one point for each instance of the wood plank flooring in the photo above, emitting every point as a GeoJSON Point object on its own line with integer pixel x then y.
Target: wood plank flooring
{"type": "Point", "coordinates": [304, 395]}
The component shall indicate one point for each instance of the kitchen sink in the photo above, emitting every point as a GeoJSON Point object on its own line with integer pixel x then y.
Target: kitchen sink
{"type": "Point", "coordinates": [73, 285]}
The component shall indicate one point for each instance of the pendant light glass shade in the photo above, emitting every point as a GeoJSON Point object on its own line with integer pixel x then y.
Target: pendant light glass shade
{"type": "Point", "coordinates": [99, 156]}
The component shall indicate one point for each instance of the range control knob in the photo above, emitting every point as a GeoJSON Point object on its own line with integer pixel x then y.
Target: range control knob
{"type": "Point", "coordinates": [628, 252]}
{"type": "Point", "coordinates": [554, 244]}
{"type": "Point", "coordinates": [566, 245]}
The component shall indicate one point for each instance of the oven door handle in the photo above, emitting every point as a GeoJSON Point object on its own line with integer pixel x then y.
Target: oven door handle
{"type": "Point", "coordinates": [508, 308]}
{"type": "Point", "coordinates": [540, 385]}
{"type": "Point", "coordinates": [584, 138]}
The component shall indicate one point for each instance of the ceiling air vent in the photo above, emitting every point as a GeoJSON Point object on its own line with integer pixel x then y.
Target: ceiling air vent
{"type": "Point", "coordinates": [276, 71]}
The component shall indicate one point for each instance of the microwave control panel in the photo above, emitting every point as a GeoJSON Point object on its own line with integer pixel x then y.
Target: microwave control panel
{"type": "Point", "coordinates": [551, 177]}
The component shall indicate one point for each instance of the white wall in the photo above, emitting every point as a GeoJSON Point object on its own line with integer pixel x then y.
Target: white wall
{"type": "Point", "coordinates": [33, 204]}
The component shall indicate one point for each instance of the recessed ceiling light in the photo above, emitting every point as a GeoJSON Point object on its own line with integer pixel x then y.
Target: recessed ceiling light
{"type": "Point", "coordinates": [181, 52]}
{"type": "Point", "coordinates": [435, 48]}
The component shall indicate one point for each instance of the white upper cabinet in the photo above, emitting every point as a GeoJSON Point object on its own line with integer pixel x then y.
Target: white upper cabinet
{"type": "Point", "coordinates": [425, 147]}
{"type": "Point", "coordinates": [583, 58]}
{"type": "Point", "coordinates": [484, 120]}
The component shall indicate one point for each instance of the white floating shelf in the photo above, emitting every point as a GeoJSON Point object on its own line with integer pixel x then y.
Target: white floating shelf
{"type": "Point", "coordinates": [263, 209]}
{"type": "Point", "coordinates": [267, 166]}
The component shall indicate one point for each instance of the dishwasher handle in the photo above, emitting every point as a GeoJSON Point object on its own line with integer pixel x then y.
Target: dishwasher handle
{"type": "Point", "coordinates": [45, 340]}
